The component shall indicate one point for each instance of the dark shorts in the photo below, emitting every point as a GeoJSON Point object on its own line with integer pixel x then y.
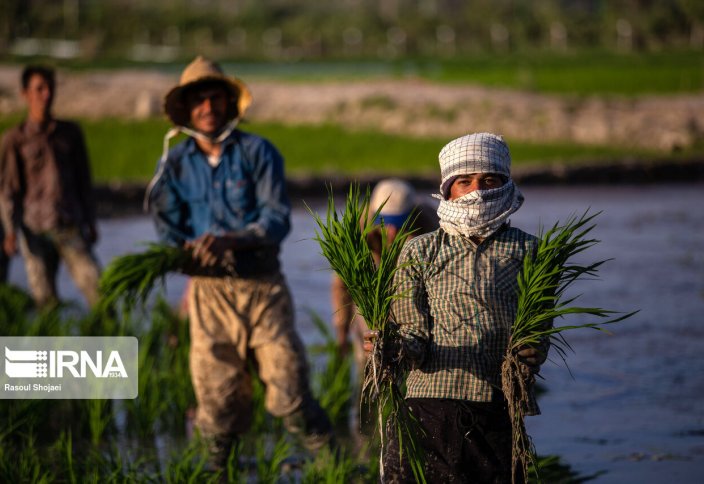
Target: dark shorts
{"type": "Point", "coordinates": [464, 442]}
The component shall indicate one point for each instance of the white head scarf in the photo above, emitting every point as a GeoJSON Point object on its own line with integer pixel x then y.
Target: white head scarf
{"type": "Point", "coordinates": [482, 212]}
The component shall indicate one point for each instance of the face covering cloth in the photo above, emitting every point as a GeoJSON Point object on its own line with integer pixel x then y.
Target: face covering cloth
{"type": "Point", "coordinates": [481, 212]}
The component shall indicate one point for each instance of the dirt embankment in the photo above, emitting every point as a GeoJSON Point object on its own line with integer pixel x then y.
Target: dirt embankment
{"type": "Point", "coordinates": [401, 106]}
{"type": "Point", "coordinates": [409, 107]}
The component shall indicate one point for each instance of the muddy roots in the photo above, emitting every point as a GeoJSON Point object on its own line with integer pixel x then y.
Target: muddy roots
{"type": "Point", "coordinates": [378, 379]}
{"type": "Point", "coordinates": [517, 383]}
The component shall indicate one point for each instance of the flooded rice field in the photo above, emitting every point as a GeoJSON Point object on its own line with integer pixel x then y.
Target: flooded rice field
{"type": "Point", "coordinates": [631, 406]}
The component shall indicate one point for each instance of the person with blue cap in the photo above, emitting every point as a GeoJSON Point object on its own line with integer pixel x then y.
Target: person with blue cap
{"type": "Point", "coordinates": [397, 201]}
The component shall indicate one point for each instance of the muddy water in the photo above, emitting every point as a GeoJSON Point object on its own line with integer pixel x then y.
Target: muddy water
{"type": "Point", "coordinates": [631, 409]}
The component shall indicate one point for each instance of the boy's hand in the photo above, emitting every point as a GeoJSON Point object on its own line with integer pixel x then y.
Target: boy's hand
{"type": "Point", "coordinates": [532, 358]}
{"type": "Point", "coordinates": [370, 338]}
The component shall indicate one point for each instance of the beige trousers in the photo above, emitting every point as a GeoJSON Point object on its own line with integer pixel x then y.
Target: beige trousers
{"type": "Point", "coordinates": [42, 253]}
{"type": "Point", "coordinates": [235, 322]}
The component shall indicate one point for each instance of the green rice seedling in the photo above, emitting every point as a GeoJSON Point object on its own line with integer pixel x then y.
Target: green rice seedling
{"type": "Point", "coordinates": [64, 446]}
{"type": "Point", "coordinates": [143, 412]}
{"type": "Point", "coordinates": [129, 279]}
{"type": "Point", "coordinates": [21, 461]}
{"type": "Point", "coordinates": [232, 471]}
{"type": "Point", "coordinates": [45, 419]}
{"type": "Point", "coordinates": [542, 284]}
{"type": "Point", "coordinates": [269, 463]}
{"type": "Point", "coordinates": [48, 322]}
{"type": "Point", "coordinates": [553, 470]}
{"type": "Point", "coordinates": [109, 466]}
{"type": "Point", "coordinates": [172, 363]}
{"type": "Point", "coordinates": [331, 467]}
{"type": "Point", "coordinates": [100, 417]}
{"type": "Point", "coordinates": [343, 242]}
{"type": "Point", "coordinates": [19, 316]}
{"type": "Point", "coordinates": [15, 304]}
{"type": "Point", "coordinates": [189, 466]}
{"type": "Point", "coordinates": [165, 390]}
{"type": "Point", "coordinates": [99, 322]}
{"type": "Point", "coordinates": [333, 384]}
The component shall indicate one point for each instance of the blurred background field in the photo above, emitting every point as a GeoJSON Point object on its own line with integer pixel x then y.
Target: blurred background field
{"type": "Point", "coordinates": [586, 71]}
{"type": "Point", "coordinates": [385, 125]}
{"type": "Point", "coordinates": [113, 32]}
{"type": "Point", "coordinates": [127, 150]}
{"type": "Point", "coordinates": [353, 87]}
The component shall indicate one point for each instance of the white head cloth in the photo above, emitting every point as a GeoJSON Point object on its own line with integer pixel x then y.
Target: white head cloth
{"type": "Point", "coordinates": [482, 212]}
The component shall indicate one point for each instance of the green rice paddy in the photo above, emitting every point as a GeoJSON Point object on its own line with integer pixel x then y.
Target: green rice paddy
{"type": "Point", "coordinates": [147, 439]}
{"type": "Point", "coordinates": [123, 150]}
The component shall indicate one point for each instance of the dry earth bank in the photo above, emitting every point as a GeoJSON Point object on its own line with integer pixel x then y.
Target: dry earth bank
{"type": "Point", "coordinates": [411, 107]}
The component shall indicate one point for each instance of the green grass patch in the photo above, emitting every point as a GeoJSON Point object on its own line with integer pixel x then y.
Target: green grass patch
{"type": "Point", "coordinates": [334, 151]}
{"type": "Point", "coordinates": [123, 150]}
{"type": "Point", "coordinates": [581, 73]}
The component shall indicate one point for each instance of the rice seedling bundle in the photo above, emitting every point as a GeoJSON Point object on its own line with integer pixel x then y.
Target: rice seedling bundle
{"type": "Point", "coordinates": [343, 242]}
{"type": "Point", "coordinates": [542, 285]}
{"type": "Point", "coordinates": [130, 279]}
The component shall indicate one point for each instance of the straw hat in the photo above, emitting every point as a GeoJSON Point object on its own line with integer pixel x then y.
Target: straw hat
{"type": "Point", "coordinates": [199, 71]}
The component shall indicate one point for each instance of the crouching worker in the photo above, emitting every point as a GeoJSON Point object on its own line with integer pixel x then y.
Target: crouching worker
{"type": "Point", "coordinates": [221, 194]}
{"type": "Point", "coordinates": [462, 294]}
{"type": "Point", "coordinates": [398, 202]}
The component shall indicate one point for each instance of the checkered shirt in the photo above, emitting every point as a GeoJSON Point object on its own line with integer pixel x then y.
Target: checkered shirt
{"type": "Point", "coordinates": [457, 310]}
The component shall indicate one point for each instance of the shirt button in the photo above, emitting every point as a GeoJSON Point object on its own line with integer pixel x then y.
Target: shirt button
{"type": "Point", "coordinates": [216, 185]}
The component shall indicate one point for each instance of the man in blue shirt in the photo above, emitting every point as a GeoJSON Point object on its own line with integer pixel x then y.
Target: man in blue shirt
{"type": "Point", "coordinates": [221, 194]}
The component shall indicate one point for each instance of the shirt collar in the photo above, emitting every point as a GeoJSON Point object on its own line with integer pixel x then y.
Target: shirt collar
{"type": "Point", "coordinates": [192, 147]}
{"type": "Point", "coordinates": [32, 128]}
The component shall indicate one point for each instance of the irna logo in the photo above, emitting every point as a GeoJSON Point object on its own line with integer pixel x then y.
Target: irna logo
{"type": "Point", "coordinates": [63, 363]}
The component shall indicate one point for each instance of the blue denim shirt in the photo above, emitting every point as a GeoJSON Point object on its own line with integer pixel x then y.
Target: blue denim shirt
{"type": "Point", "coordinates": [245, 194]}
